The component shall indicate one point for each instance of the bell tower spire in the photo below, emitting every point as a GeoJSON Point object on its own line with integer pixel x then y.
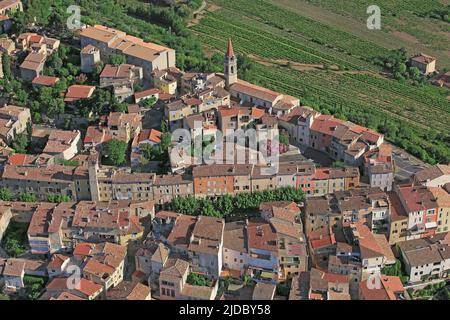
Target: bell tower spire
{"type": "Point", "coordinates": [230, 70]}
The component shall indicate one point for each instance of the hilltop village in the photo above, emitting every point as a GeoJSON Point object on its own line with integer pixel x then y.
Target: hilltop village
{"type": "Point", "coordinates": [115, 198]}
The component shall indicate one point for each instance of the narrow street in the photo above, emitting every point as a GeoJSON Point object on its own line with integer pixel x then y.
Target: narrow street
{"type": "Point", "coordinates": [3, 253]}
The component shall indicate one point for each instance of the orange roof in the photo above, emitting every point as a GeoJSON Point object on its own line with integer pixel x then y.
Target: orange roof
{"type": "Point", "coordinates": [322, 173]}
{"type": "Point", "coordinates": [257, 113]}
{"type": "Point", "coordinates": [87, 287]}
{"type": "Point", "coordinates": [45, 81]}
{"type": "Point", "coordinates": [146, 93]}
{"type": "Point", "coordinates": [77, 92]}
{"type": "Point", "coordinates": [36, 38]}
{"type": "Point", "coordinates": [17, 159]}
{"type": "Point", "coordinates": [83, 249]}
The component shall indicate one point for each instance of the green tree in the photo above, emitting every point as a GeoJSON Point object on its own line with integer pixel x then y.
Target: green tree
{"type": "Point", "coordinates": [116, 151]}
{"type": "Point", "coordinates": [117, 59]}
{"type": "Point", "coordinates": [20, 143]}
{"type": "Point", "coordinates": [5, 194]}
{"type": "Point", "coordinates": [58, 198]}
{"type": "Point", "coordinates": [27, 197]}
{"type": "Point", "coordinates": [6, 64]}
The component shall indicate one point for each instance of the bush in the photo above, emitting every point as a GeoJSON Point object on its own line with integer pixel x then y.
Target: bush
{"type": "Point", "coordinates": [196, 279]}
{"type": "Point", "coordinates": [5, 194]}
{"type": "Point", "coordinates": [58, 198]}
{"type": "Point", "coordinates": [27, 197]}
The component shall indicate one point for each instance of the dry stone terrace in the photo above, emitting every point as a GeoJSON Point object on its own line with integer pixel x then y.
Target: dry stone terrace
{"type": "Point", "coordinates": [117, 222]}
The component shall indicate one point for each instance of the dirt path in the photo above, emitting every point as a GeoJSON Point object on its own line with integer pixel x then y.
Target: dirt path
{"type": "Point", "coordinates": [305, 67]}
{"type": "Point", "coordinates": [201, 12]}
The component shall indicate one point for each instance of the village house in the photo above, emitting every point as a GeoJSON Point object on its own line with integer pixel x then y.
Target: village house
{"type": "Point", "coordinates": [36, 43]}
{"type": "Point", "coordinates": [150, 260]}
{"type": "Point", "coordinates": [122, 79]}
{"type": "Point", "coordinates": [379, 167]}
{"type": "Point", "coordinates": [213, 98]}
{"type": "Point", "coordinates": [57, 266]}
{"type": "Point", "coordinates": [346, 260]}
{"type": "Point", "coordinates": [173, 284]}
{"type": "Point", "coordinates": [425, 63]}
{"type": "Point", "coordinates": [398, 219]}
{"type": "Point", "coordinates": [443, 207]}
{"type": "Point", "coordinates": [235, 252]}
{"type": "Point", "coordinates": [434, 176]}
{"type": "Point", "coordinates": [102, 263]}
{"type": "Point", "coordinates": [49, 228]}
{"type": "Point", "coordinates": [78, 92]}
{"type": "Point", "coordinates": [127, 290]}
{"type": "Point", "coordinates": [13, 271]}
{"type": "Point", "coordinates": [426, 258]}
{"type": "Point", "coordinates": [63, 144]}
{"type": "Point", "coordinates": [167, 187]}
{"type": "Point", "coordinates": [44, 81]}
{"type": "Point", "coordinates": [95, 137]}
{"type": "Point", "coordinates": [5, 218]}
{"type": "Point", "coordinates": [375, 252]}
{"type": "Point", "coordinates": [164, 81]}
{"type": "Point", "coordinates": [421, 207]}
{"type": "Point", "coordinates": [86, 290]}
{"type": "Point", "coordinates": [389, 288]}
{"type": "Point", "coordinates": [113, 222]}
{"type": "Point", "coordinates": [176, 111]}
{"type": "Point", "coordinates": [13, 121]}
{"type": "Point", "coordinates": [336, 210]}
{"type": "Point", "coordinates": [150, 137]}
{"type": "Point", "coordinates": [32, 66]}
{"type": "Point", "coordinates": [10, 6]}
{"type": "Point", "coordinates": [90, 57]}
{"type": "Point", "coordinates": [203, 123]}
{"type": "Point", "coordinates": [148, 56]}
{"type": "Point", "coordinates": [219, 179]}
{"type": "Point", "coordinates": [319, 285]}
{"type": "Point", "coordinates": [123, 126]}
{"type": "Point", "coordinates": [195, 82]}
{"type": "Point", "coordinates": [263, 262]}
{"type": "Point", "coordinates": [45, 180]}
{"type": "Point", "coordinates": [206, 244]}
{"type": "Point", "coordinates": [291, 242]}
{"type": "Point", "coordinates": [141, 96]}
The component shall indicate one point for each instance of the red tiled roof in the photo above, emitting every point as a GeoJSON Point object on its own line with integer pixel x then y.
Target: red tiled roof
{"type": "Point", "coordinates": [17, 159]}
{"type": "Point", "coordinates": [87, 287]}
{"type": "Point", "coordinates": [45, 81]}
{"type": "Point", "coordinates": [83, 249]}
{"type": "Point", "coordinates": [146, 93]}
{"type": "Point", "coordinates": [77, 92]}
